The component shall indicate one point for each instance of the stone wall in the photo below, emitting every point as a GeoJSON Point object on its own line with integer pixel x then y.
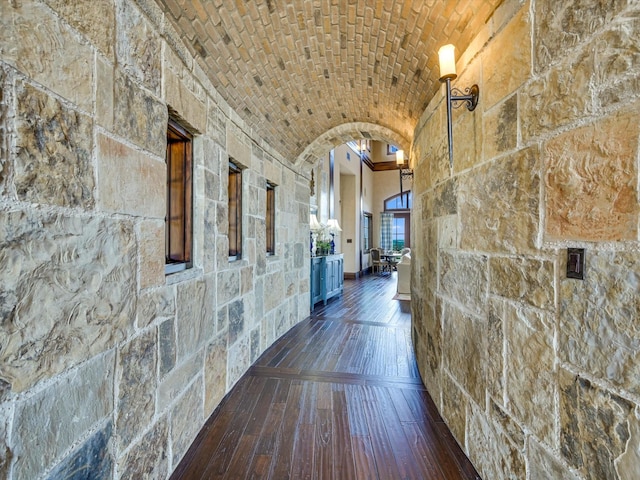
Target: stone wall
{"type": "Point", "coordinates": [105, 362]}
{"type": "Point", "coordinates": [536, 374]}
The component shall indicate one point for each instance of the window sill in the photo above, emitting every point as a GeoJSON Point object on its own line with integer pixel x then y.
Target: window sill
{"type": "Point", "coordinates": [182, 275]}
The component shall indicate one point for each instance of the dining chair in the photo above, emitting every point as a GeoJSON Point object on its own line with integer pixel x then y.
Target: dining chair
{"type": "Point", "coordinates": [376, 261]}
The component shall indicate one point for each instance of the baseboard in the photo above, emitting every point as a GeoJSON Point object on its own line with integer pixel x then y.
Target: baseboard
{"type": "Point", "coordinates": [351, 276]}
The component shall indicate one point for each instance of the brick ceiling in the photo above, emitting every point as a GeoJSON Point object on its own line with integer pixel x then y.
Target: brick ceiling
{"type": "Point", "coordinates": [296, 69]}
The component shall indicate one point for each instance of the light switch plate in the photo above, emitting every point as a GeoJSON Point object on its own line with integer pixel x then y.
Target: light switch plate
{"type": "Point", "coordinates": [575, 263]}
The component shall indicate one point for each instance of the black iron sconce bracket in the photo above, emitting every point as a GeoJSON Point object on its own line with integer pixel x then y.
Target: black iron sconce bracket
{"type": "Point", "coordinates": [454, 95]}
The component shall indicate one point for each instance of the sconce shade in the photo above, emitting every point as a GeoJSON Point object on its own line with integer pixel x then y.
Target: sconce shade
{"type": "Point", "coordinates": [333, 226]}
{"type": "Point", "coordinates": [447, 57]}
{"type": "Point", "coordinates": [314, 225]}
{"type": "Point", "coordinates": [400, 157]}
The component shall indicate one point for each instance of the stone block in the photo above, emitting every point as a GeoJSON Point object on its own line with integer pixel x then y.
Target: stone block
{"type": "Point", "coordinates": [544, 465]}
{"type": "Point", "coordinates": [104, 95]}
{"type": "Point", "coordinates": [48, 52]}
{"type": "Point", "coordinates": [427, 321]}
{"type": "Point", "coordinates": [151, 253]}
{"type": "Point", "coordinates": [275, 293]}
{"type": "Point", "coordinates": [463, 278]}
{"type": "Point", "coordinates": [591, 179]}
{"type": "Point", "coordinates": [439, 170]}
{"type": "Point", "coordinates": [499, 205]}
{"type": "Point", "coordinates": [153, 304]}
{"type": "Point", "coordinates": [524, 279]}
{"type": "Point", "coordinates": [559, 29]}
{"type": "Point", "coordinates": [94, 20]}
{"type": "Point", "coordinates": [445, 199]}
{"type": "Point", "coordinates": [215, 374]}
{"type": "Point", "coordinates": [6, 453]}
{"type": "Point", "coordinates": [258, 292]}
{"type": "Point", "coordinates": [177, 380]}
{"type": "Point", "coordinates": [240, 356]}
{"type": "Point", "coordinates": [91, 461]}
{"type": "Point", "coordinates": [167, 346]}
{"type": "Point", "coordinates": [216, 126]}
{"type": "Point", "coordinates": [195, 316]}
{"type": "Point", "coordinates": [53, 162]}
{"type": "Point", "coordinates": [616, 80]}
{"type": "Point", "coordinates": [290, 283]}
{"type": "Point", "coordinates": [239, 147]}
{"type": "Point", "coordinates": [559, 97]}
{"type": "Point", "coordinates": [598, 328]}
{"type": "Point", "coordinates": [501, 128]}
{"type": "Point", "coordinates": [184, 102]}
{"type": "Point", "coordinates": [507, 424]}
{"type": "Point", "coordinates": [186, 419]}
{"type": "Point", "coordinates": [506, 62]}
{"type": "Point", "coordinates": [209, 238]}
{"type": "Point", "coordinates": [495, 347]}
{"type": "Point", "coordinates": [281, 320]}
{"type": "Point", "coordinates": [138, 116]}
{"type": "Point", "coordinates": [130, 182]}
{"type": "Point", "coordinates": [246, 280]}
{"type": "Point", "coordinates": [211, 186]}
{"type": "Point", "coordinates": [222, 246]}
{"type": "Point", "coordinates": [236, 321]}
{"type": "Point", "coordinates": [599, 430]}
{"type": "Point", "coordinates": [530, 377]}
{"type": "Point", "coordinates": [136, 386]}
{"type": "Point", "coordinates": [69, 408]}
{"type": "Point", "coordinates": [138, 46]}
{"type": "Point", "coordinates": [222, 223]}
{"type": "Point", "coordinates": [149, 457]}
{"type": "Point", "coordinates": [496, 457]}
{"type": "Point", "coordinates": [228, 285]}
{"type": "Point", "coordinates": [448, 232]}
{"type": "Point", "coordinates": [454, 408]}
{"type": "Point", "coordinates": [256, 348]}
{"type": "Point", "coordinates": [298, 255]}
{"type": "Point", "coordinates": [222, 321]}
{"type": "Point", "coordinates": [67, 284]}
{"type": "Point", "coordinates": [463, 340]}
{"type": "Point", "coordinates": [6, 99]}
{"type": "Point", "coordinates": [427, 259]}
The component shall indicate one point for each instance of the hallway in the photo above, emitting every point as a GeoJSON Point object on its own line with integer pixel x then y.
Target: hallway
{"type": "Point", "coordinates": [338, 396]}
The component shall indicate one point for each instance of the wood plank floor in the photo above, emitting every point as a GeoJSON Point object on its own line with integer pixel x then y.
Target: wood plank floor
{"type": "Point", "coordinates": [338, 397]}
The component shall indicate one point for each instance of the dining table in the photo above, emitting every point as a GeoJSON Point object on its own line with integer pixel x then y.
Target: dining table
{"type": "Point", "coordinates": [391, 259]}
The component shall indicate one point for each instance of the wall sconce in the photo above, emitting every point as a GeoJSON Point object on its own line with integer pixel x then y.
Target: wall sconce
{"type": "Point", "coordinates": [406, 173]}
{"type": "Point", "coordinates": [447, 59]}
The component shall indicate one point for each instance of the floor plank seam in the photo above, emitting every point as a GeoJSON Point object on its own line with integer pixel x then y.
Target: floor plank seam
{"type": "Point", "coordinates": [337, 377]}
{"type": "Point", "coordinates": [357, 322]}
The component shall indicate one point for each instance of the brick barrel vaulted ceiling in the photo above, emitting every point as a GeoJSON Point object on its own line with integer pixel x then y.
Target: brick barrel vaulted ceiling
{"type": "Point", "coordinates": [297, 69]}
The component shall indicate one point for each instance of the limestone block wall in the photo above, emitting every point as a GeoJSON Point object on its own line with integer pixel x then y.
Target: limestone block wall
{"type": "Point", "coordinates": [107, 364]}
{"type": "Point", "coordinates": [536, 374]}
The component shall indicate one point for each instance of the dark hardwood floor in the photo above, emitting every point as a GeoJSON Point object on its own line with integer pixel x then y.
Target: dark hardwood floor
{"type": "Point", "coordinates": [338, 397]}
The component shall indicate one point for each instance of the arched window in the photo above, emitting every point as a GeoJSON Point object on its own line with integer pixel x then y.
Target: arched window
{"type": "Point", "coordinates": [401, 201]}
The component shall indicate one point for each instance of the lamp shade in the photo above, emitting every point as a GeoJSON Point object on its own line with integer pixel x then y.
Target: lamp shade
{"type": "Point", "coordinates": [314, 225]}
{"type": "Point", "coordinates": [333, 225]}
{"type": "Point", "coordinates": [447, 57]}
{"type": "Point", "coordinates": [400, 157]}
